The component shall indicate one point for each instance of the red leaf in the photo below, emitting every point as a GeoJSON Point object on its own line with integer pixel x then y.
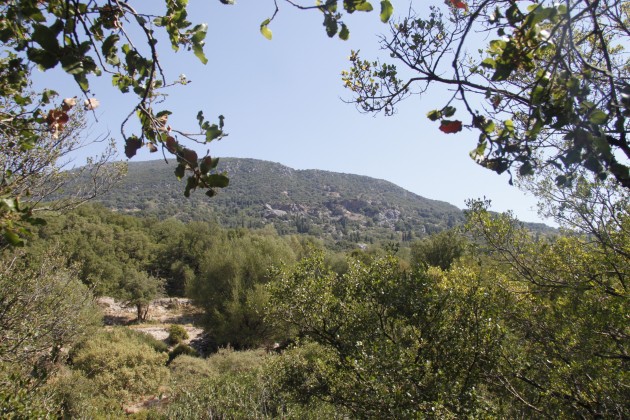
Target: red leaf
{"type": "Point", "coordinates": [458, 4]}
{"type": "Point", "coordinates": [171, 144]}
{"type": "Point", "coordinates": [450, 127]}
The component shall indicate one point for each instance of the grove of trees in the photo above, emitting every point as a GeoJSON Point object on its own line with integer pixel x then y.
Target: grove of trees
{"type": "Point", "coordinates": [486, 320]}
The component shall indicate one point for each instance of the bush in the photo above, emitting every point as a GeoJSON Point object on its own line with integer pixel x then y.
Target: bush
{"type": "Point", "coordinates": [181, 349]}
{"type": "Point", "coordinates": [120, 364]}
{"type": "Point", "coordinates": [44, 308]}
{"type": "Point", "coordinates": [177, 334]}
{"type": "Point", "coordinates": [234, 384]}
{"type": "Point", "coordinates": [157, 345]}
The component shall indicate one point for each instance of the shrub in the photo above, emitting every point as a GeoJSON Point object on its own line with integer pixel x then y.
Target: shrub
{"type": "Point", "coordinates": [120, 364]}
{"type": "Point", "coordinates": [44, 308]}
{"type": "Point", "coordinates": [177, 334]}
{"type": "Point", "coordinates": [182, 349]}
{"type": "Point", "coordinates": [157, 345]}
{"type": "Point", "coordinates": [238, 385]}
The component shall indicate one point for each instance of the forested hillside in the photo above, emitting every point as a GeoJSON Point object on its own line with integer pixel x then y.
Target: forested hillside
{"type": "Point", "coordinates": [340, 208]}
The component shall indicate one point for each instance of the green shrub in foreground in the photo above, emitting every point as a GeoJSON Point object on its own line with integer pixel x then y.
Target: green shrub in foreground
{"type": "Point", "coordinates": [121, 365]}
{"type": "Point", "coordinates": [237, 385]}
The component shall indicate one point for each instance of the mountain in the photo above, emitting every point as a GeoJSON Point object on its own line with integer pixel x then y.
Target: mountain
{"type": "Point", "coordinates": [339, 208]}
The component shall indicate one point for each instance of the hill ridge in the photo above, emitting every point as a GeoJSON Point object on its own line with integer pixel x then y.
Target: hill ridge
{"type": "Point", "coordinates": [341, 208]}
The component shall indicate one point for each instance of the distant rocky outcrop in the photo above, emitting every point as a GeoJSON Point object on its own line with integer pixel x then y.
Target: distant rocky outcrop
{"type": "Point", "coordinates": [342, 209]}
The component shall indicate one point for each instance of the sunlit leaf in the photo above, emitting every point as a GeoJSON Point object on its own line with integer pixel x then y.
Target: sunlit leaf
{"type": "Point", "coordinates": [434, 115]}
{"type": "Point", "coordinates": [264, 29]}
{"type": "Point", "coordinates": [386, 10]}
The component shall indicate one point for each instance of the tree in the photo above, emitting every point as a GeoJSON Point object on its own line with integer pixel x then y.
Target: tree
{"type": "Point", "coordinates": [139, 289]}
{"type": "Point", "coordinates": [44, 309]}
{"type": "Point", "coordinates": [390, 342]}
{"type": "Point", "coordinates": [567, 353]}
{"type": "Point", "coordinates": [230, 287]}
{"type": "Point", "coordinates": [439, 250]}
{"type": "Point", "coordinates": [550, 89]}
{"type": "Point", "coordinates": [32, 175]}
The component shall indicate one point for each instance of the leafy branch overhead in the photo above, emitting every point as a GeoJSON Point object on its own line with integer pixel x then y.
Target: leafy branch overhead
{"type": "Point", "coordinates": [94, 38]}
{"type": "Point", "coordinates": [333, 18]}
{"type": "Point", "coordinates": [550, 88]}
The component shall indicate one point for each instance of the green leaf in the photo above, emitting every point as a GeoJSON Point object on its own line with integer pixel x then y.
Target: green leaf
{"type": "Point", "coordinates": [46, 37]}
{"type": "Point", "coordinates": [365, 7]}
{"type": "Point", "coordinates": [217, 181]}
{"type": "Point", "coordinates": [330, 23]}
{"type": "Point", "coordinates": [344, 33]}
{"type": "Point", "coordinates": [200, 33]}
{"type": "Point", "coordinates": [509, 125]}
{"type": "Point", "coordinates": [72, 65]}
{"type": "Point", "coordinates": [13, 238]}
{"type": "Point", "coordinates": [82, 80]}
{"type": "Point", "coordinates": [489, 127]}
{"type": "Point", "coordinates": [264, 30]}
{"type": "Point", "coordinates": [526, 169]}
{"type": "Point", "coordinates": [191, 184]}
{"type": "Point", "coordinates": [180, 170]}
{"type": "Point", "coordinates": [434, 115]}
{"type": "Point", "coordinates": [198, 50]}
{"type": "Point", "coordinates": [42, 58]}
{"type": "Point", "coordinates": [213, 132]}
{"type": "Point", "coordinates": [538, 95]}
{"type": "Point", "coordinates": [448, 111]}
{"type": "Point", "coordinates": [109, 45]}
{"type": "Point", "coordinates": [386, 10]}
{"type": "Point", "coordinates": [479, 150]}
{"type": "Point", "coordinates": [598, 117]}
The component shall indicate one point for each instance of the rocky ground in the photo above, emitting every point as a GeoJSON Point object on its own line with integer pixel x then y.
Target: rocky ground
{"type": "Point", "coordinates": [162, 314]}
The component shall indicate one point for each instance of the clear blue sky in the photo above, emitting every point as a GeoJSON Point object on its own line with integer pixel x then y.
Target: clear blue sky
{"type": "Point", "coordinates": [282, 100]}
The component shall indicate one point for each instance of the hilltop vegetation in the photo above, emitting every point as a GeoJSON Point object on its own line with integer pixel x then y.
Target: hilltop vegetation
{"type": "Point", "coordinates": [339, 208]}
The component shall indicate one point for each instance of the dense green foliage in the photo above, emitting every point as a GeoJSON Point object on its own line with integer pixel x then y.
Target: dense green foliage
{"type": "Point", "coordinates": [176, 334]}
{"type": "Point", "coordinates": [486, 321]}
{"type": "Point", "coordinates": [482, 321]}
{"type": "Point", "coordinates": [44, 308]}
{"type": "Point", "coordinates": [392, 343]}
{"type": "Point", "coordinates": [521, 326]}
{"type": "Point", "coordinates": [342, 209]}
{"type": "Point", "coordinates": [107, 369]}
{"type": "Point", "coordinates": [233, 384]}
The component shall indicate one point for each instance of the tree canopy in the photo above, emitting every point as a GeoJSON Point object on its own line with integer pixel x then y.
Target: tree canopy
{"type": "Point", "coordinates": [545, 84]}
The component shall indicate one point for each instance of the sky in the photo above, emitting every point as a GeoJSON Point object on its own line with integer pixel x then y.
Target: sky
{"type": "Point", "coordinates": [283, 102]}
